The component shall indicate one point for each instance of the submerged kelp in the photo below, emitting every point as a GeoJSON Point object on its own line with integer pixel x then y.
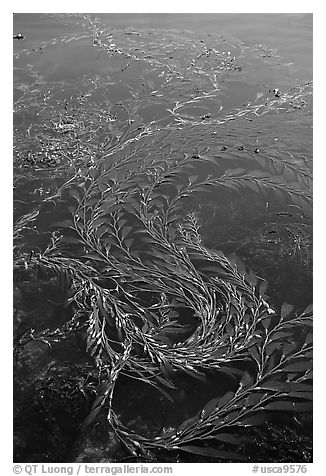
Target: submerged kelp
{"type": "Point", "coordinates": [140, 162]}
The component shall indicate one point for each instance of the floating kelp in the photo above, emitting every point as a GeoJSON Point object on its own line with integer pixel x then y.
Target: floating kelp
{"type": "Point", "coordinates": [127, 161]}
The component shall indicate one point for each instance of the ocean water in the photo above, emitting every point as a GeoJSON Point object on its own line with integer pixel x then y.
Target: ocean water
{"type": "Point", "coordinates": [86, 87]}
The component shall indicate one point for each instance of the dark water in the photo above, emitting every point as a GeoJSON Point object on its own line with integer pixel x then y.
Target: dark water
{"type": "Point", "coordinates": [60, 73]}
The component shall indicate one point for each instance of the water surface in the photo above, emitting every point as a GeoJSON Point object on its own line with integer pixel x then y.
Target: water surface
{"type": "Point", "coordinates": [97, 88]}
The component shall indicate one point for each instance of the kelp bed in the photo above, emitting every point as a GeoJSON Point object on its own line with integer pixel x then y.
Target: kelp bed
{"type": "Point", "coordinates": [162, 216]}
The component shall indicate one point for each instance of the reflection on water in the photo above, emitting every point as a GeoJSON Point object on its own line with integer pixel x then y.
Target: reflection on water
{"type": "Point", "coordinates": [138, 112]}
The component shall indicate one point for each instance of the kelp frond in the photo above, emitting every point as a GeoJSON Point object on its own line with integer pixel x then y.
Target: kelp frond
{"type": "Point", "coordinates": [137, 262]}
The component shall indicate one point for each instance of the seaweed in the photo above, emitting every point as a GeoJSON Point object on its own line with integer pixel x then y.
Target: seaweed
{"type": "Point", "coordinates": [152, 302]}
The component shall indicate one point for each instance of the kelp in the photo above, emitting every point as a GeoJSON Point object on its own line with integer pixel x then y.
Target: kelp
{"type": "Point", "coordinates": [235, 323]}
{"type": "Point", "coordinates": [129, 243]}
